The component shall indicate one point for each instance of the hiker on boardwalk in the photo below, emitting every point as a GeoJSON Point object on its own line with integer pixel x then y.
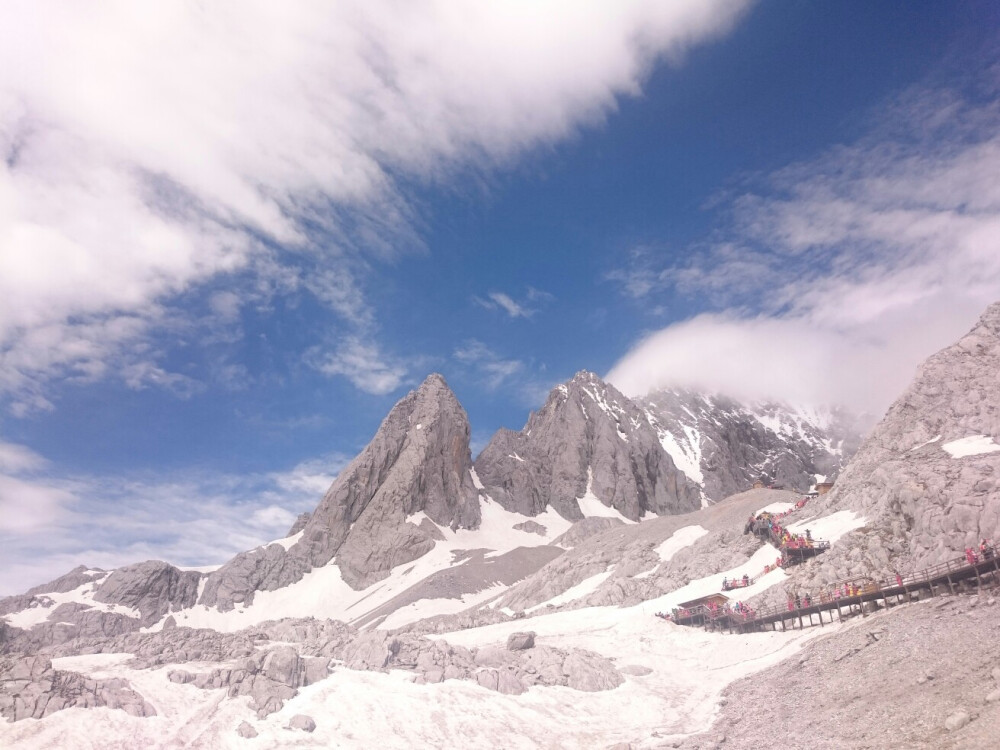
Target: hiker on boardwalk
{"type": "Point", "coordinates": [986, 550]}
{"type": "Point", "coordinates": [798, 602]}
{"type": "Point", "coordinates": [899, 579]}
{"type": "Point", "coordinates": [970, 556]}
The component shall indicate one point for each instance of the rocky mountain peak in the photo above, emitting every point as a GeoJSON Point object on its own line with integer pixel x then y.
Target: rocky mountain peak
{"type": "Point", "coordinates": [727, 446]}
{"type": "Point", "coordinates": [588, 440]}
{"type": "Point", "coordinates": [418, 462]}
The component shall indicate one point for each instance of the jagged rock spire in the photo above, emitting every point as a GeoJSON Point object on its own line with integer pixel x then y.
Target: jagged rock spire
{"type": "Point", "coordinates": [586, 436]}
{"type": "Point", "coordinates": [418, 461]}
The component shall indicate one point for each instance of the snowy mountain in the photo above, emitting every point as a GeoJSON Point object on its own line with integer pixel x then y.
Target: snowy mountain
{"type": "Point", "coordinates": [430, 601]}
{"type": "Point", "coordinates": [587, 441]}
{"type": "Point", "coordinates": [726, 447]}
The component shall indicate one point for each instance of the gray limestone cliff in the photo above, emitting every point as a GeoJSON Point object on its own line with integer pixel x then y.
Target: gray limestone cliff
{"type": "Point", "coordinates": [927, 478]}
{"type": "Point", "coordinates": [727, 446]}
{"type": "Point", "coordinates": [418, 462]}
{"type": "Point", "coordinates": [587, 435]}
{"type": "Point", "coordinates": [152, 587]}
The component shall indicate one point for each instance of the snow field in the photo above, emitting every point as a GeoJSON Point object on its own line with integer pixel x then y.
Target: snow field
{"type": "Point", "coordinates": [829, 528]}
{"type": "Point", "coordinates": [579, 591]}
{"type": "Point", "coordinates": [28, 618]}
{"type": "Point", "coordinates": [591, 505]}
{"type": "Point", "coordinates": [683, 537]}
{"type": "Point", "coordinates": [973, 445]}
{"type": "Point", "coordinates": [323, 593]}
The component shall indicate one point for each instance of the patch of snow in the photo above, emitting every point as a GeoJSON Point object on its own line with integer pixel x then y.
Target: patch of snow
{"type": "Point", "coordinates": [287, 542]}
{"type": "Point", "coordinates": [646, 573]}
{"type": "Point", "coordinates": [680, 539]}
{"type": "Point", "coordinates": [926, 442]}
{"type": "Point", "coordinates": [591, 505]}
{"type": "Point", "coordinates": [775, 508]}
{"type": "Point", "coordinates": [579, 591]}
{"type": "Point", "coordinates": [687, 455]}
{"type": "Point", "coordinates": [515, 457]}
{"type": "Point", "coordinates": [202, 568]}
{"type": "Point", "coordinates": [973, 445]}
{"type": "Point", "coordinates": [83, 594]}
{"type": "Point", "coordinates": [420, 427]}
{"type": "Point", "coordinates": [830, 528]}
{"type": "Point", "coordinates": [431, 607]}
{"type": "Point", "coordinates": [475, 480]}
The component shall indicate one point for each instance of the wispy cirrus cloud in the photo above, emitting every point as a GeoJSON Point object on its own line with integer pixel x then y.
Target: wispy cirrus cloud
{"type": "Point", "coordinates": [863, 260]}
{"type": "Point", "coordinates": [170, 150]}
{"type": "Point", "coordinates": [504, 302]}
{"type": "Point", "coordinates": [490, 368]}
{"type": "Point", "coordinates": [363, 363]}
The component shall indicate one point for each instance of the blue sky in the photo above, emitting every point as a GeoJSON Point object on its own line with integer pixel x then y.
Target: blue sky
{"type": "Point", "coordinates": [232, 237]}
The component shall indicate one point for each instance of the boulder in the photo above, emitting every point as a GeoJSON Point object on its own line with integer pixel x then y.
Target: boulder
{"type": "Point", "coordinates": [520, 641]}
{"type": "Point", "coordinates": [302, 722]}
{"type": "Point", "coordinates": [957, 720]}
{"type": "Point", "coordinates": [246, 731]}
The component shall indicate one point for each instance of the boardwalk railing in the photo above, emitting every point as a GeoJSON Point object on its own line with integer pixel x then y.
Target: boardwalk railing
{"type": "Point", "coordinates": [851, 594]}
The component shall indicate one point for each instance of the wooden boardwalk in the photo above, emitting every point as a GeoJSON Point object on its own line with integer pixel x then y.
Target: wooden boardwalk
{"type": "Point", "coordinates": [852, 599]}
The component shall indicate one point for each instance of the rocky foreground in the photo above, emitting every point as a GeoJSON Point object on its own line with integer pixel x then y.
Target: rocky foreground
{"type": "Point", "coordinates": [923, 676]}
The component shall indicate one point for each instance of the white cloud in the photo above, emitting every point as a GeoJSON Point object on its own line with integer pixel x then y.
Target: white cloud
{"type": "Point", "coordinates": [164, 146]}
{"type": "Point", "coordinates": [26, 506]}
{"type": "Point", "coordinates": [19, 459]}
{"type": "Point", "coordinates": [513, 308]}
{"type": "Point", "coordinates": [850, 268]}
{"type": "Point", "coordinates": [493, 369]}
{"type": "Point", "coordinates": [49, 525]}
{"type": "Point", "coordinates": [361, 362]}
{"type": "Point", "coordinates": [507, 304]}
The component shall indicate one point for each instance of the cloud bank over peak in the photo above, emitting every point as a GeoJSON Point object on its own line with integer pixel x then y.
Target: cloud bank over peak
{"type": "Point", "coordinates": [835, 277]}
{"type": "Point", "coordinates": [166, 147]}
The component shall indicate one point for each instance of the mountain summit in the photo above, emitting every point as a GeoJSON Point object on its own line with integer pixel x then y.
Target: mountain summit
{"type": "Point", "coordinates": [588, 439]}
{"type": "Point", "coordinates": [418, 462]}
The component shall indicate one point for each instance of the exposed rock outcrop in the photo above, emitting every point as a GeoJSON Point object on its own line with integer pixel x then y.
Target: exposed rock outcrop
{"type": "Point", "coordinates": [70, 581]}
{"type": "Point", "coordinates": [152, 587]}
{"type": "Point", "coordinates": [727, 446]}
{"type": "Point", "coordinates": [587, 437]}
{"type": "Point", "coordinates": [418, 462]}
{"type": "Point", "coordinates": [31, 689]}
{"type": "Point", "coordinates": [927, 479]}
{"type": "Point", "coordinates": [300, 523]}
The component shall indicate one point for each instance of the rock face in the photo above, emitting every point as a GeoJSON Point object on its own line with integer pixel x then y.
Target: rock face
{"type": "Point", "coordinates": [726, 446]}
{"type": "Point", "coordinates": [72, 580]}
{"type": "Point", "coordinates": [31, 689]}
{"type": "Point", "coordinates": [587, 437]}
{"type": "Point", "coordinates": [418, 462]}
{"type": "Point", "coordinates": [928, 477]}
{"type": "Point", "coordinates": [300, 523]}
{"type": "Point", "coordinates": [152, 587]}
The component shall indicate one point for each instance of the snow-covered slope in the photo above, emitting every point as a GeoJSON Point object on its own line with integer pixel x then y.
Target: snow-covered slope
{"type": "Point", "coordinates": [726, 446]}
